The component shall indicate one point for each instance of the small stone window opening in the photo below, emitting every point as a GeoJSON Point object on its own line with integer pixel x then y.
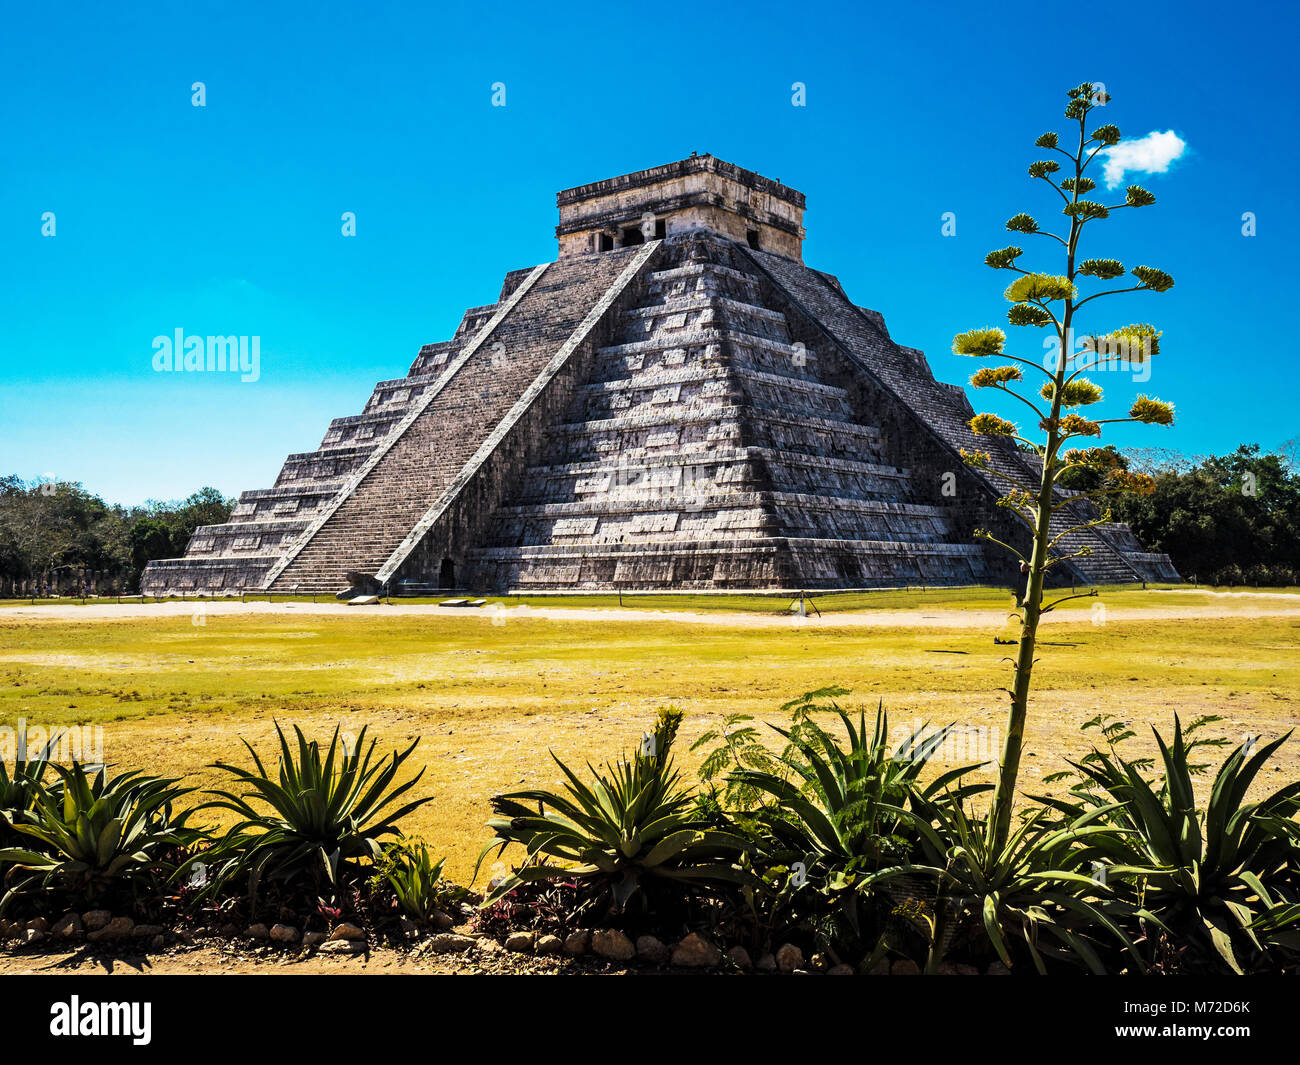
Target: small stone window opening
{"type": "Point", "coordinates": [661, 228]}
{"type": "Point", "coordinates": [751, 237]}
{"type": "Point", "coordinates": [606, 242]}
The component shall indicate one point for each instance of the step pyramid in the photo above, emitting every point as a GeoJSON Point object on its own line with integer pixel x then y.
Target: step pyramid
{"type": "Point", "coordinates": [676, 402]}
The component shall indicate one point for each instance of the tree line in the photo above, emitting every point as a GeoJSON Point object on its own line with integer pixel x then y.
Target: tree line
{"type": "Point", "coordinates": [1223, 519]}
{"type": "Point", "coordinates": [58, 538]}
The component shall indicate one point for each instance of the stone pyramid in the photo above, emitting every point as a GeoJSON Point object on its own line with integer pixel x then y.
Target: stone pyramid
{"type": "Point", "coordinates": [676, 402]}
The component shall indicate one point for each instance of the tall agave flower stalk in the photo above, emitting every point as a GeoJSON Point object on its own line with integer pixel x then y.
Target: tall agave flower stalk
{"type": "Point", "coordinates": [1053, 301]}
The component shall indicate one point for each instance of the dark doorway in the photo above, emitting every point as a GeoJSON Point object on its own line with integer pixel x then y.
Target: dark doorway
{"type": "Point", "coordinates": [447, 574]}
{"type": "Point", "coordinates": [751, 236]}
{"type": "Point", "coordinates": [632, 235]}
{"type": "Point", "coordinates": [606, 242]}
{"type": "Point", "coordinates": [661, 228]}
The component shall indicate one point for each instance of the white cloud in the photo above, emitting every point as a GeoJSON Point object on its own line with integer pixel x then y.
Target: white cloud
{"type": "Point", "coordinates": [1151, 154]}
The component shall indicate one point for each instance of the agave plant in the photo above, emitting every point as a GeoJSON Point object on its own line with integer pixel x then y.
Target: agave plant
{"type": "Point", "coordinates": [20, 786]}
{"type": "Point", "coordinates": [634, 828]}
{"type": "Point", "coordinates": [838, 808]}
{"type": "Point", "coordinates": [1226, 875]}
{"type": "Point", "coordinates": [410, 871]}
{"type": "Point", "coordinates": [1039, 889]}
{"type": "Point", "coordinates": [831, 814]}
{"type": "Point", "coordinates": [323, 810]}
{"type": "Point", "coordinates": [96, 833]}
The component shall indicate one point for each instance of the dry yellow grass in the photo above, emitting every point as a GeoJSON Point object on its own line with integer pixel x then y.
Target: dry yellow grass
{"type": "Point", "coordinates": [488, 700]}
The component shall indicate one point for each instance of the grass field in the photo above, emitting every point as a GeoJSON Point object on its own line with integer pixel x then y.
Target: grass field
{"type": "Point", "coordinates": [740, 602]}
{"type": "Point", "coordinates": [489, 695]}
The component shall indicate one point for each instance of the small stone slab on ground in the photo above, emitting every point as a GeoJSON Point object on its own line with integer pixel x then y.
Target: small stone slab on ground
{"type": "Point", "coordinates": [696, 952]}
{"type": "Point", "coordinates": [447, 942]}
{"type": "Point", "coordinates": [363, 600]}
{"type": "Point", "coordinates": [283, 933]}
{"type": "Point", "coordinates": [612, 944]}
{"type": "Point", "coordinates": [342, 946]}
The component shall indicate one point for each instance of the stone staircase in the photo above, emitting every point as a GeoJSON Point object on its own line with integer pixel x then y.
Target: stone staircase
{"type": "Point", "coordinates": [425, 452]}
{"type": "Point", "coordinates": [267, 522]}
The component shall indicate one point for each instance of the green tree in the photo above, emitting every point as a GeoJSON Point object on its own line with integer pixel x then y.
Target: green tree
{"type": "Point", "coordinates": [1223, 517]}
{"type": "Point", "coordinates": [51, 528]}
{"type": "Point", "coordinates": [207, 506]}
{"type": "Point", "coordinates": [150, 539]}
{"type": "Point", "coordinates": [1053, 301]}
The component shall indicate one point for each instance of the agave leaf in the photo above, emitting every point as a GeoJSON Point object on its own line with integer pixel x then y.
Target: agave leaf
{"type": "Point", "coordinates": [1221, 939]}
{"type": "Point", "coordinates": [994, 928]}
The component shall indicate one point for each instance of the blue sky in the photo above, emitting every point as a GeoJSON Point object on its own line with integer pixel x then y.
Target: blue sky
{"type": "Point", "coordinates": [226, 218]}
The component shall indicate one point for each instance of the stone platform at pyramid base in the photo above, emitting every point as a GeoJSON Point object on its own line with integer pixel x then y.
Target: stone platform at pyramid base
{"type": "Point", "coordinates": [761, 564]}
{"type": "Point", "coordinates": [765, 564]}
{"type": "Point", "coordinates": [211, 576]}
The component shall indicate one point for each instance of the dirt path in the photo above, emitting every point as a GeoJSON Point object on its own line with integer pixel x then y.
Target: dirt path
{"type": "Point", "coordinates": [208, 960]}
{"type": "Point", "coordinates": [1227, 605]}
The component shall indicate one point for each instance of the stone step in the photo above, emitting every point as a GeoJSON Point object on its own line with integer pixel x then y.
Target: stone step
{"type": "Point", "coordinates": [629, 462]}
{"type": "Point", "coordinates": [719, 414]}
{"type": "Point", "coordinates": [758, 562]}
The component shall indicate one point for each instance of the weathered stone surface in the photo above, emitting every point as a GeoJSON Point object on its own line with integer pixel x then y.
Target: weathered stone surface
{"type": "Point", "coordinates": [94, 920]}
{"type": "Point", "coordinates": [696, 952]}
{"type": "Point", "coordinates": [147, 931]}
{"type": "Point", "coordinates": [69, 926]}
{"type": "Point", "coordinates": [258, 931]}
{"type": "Point", "coordinates": [840, 970]}
{"type": "Point", "coordinates": [117, 928]}
{"type": "Point", "coordinates": [903, 967]}
{"type": "Point", "coordinates": [650, 949]}
{"type": "Point", "coordinates": [348, 930]}
{"type": "Point", "coordinates": [702, 192]}
{"type": "Point", "coordinates": [612, 944]}
{"type": "Point", "coordinates": [766, 963]}
{"type": "Point", "coordinates": [314, 939]}
{"type": "Point", "coordinates": [521, 942]}
{"type": "Point", "coordinates": [577, 943]}
{"type": "Point", "coordinates": [283, 933]}
{"type": "Point", "coordinates": [448, 943]}
{"type": "Point", "coordinates": [789, 958]}
{"type": "Point", "coordinates": [739, 957]}
{"type": "Point", "coordinates": [549, 945]}
{"type": "Point", "coordinates": [344, 947]}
